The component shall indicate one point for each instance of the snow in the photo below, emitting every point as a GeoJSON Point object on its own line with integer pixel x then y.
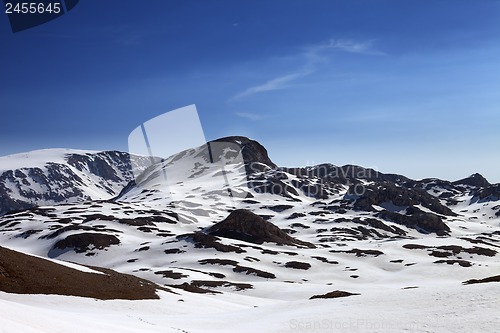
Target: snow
{"type": "Point", "coordinates": [391, 207]}
{"type": "Point", "coordinates": [38, 158]}
{"type": "Point", "coordinates": [434, 307]}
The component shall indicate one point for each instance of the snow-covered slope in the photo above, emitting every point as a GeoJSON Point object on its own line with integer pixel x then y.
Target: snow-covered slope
{"type": "Point", "coordinates": [224, 224]}
{"type": "Point", "coordinates": [53, 176]}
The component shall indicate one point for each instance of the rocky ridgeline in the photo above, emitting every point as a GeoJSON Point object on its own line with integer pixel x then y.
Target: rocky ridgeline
{"type": "Point", "coordinates": [423, 205]}
{"type": "Point", "coordinates": [81, 177]}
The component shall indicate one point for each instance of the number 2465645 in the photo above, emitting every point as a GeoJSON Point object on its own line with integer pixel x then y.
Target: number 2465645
{"type": "Point", "coordinates": [33, 8]}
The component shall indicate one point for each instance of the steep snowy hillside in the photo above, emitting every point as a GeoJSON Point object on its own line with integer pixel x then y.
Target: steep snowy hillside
{"type": "Point", "coordinates": [55, 176]}
{"type": "Point", "coordinates": [222, 220]}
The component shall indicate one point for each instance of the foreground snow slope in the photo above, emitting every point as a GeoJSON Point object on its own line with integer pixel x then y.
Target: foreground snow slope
{"type": "Point", "coordinates": [433, 308]}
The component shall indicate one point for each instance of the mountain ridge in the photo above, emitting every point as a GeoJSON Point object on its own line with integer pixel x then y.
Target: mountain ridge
{"type": "Point", "coordinates": [223, 218]}
{"type": "Point", "coordinates": [65, 176]}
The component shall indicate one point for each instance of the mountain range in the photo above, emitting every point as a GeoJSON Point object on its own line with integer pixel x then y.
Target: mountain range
{"type": "Point", "coordinates": [223, 220]}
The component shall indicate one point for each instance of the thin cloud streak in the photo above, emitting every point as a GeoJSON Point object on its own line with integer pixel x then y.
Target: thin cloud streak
{"type": "Point", "coordinates": [250, 116]}
{"type": "Point", "coordinates": [278, 83]}
{"type": "Point", "coordinates": [313, 56]}
{"type": "Point", "coordinates": [346, 45]}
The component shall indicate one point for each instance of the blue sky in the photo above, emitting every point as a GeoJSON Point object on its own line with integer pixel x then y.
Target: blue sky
{"type": "Point", "coordinates": [409, 87]}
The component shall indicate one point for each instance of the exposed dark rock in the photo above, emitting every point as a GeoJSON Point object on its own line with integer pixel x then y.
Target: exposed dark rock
{"type": "Point", "coordinates": [475, 180]}
{"type": "Point", "coordinates": [295, 215]}
{"type": "Point", "coordinates": [299, 225]}
{"type": "Point", "coordinates": [215, 284]}
{"type": "Point", "coordinates": [253, 271]}
{"type": "Point", "coordinates": [456, 249]}
{"type": "Point", "coordinates": [495, 278]}
{"type": "Point", "coordinates": [423, 222]}
{"type": "Point", "coordinates": [24, 274]}
{"type": "Point", "coordinates": [491, 192]}
{"type": "Point", "coordinates": [173, 251]}
{"type": "Point", "coordinates": [273, 185]}
{"type": "Point", "coordinates": [279, 208]}
{"type": "Point", "coordinates": [319, 213]}
{"type": "Point", "coordinates": [385, 192]}
{"type": "Point", "coordinates": [323, 259]}
{"type": "Point", "coordinates": [216, 261]}
{"type": "Point", "coordinates": [271, 252]}
{"type": "Point", "coordinates": [360, 253]}
{"type": "Point", "coordinates": [298, 265]}
{"type": "Point", "coordinates": [441, 254]}
{"type": "Point", "coordinates": [479, 241]}
{"type": "Point", "coordinates": [463, 263]}
{"type": "Point", "coordinates": [251, 259]}
{"type": "Point", "coordinates": [171, 274]}
{"type": "Point", "coordinates": [379, 225]}
{"type": "Point", "coordinates": [266, 217]}
{"type": "Point", "coordinates": [415, 246]}
{"type": "Point", "coordinates": [83, 242]}
{"type": "Point", "coordinates": [78, 227]}
{"type": "Point", "coordinates": [313, 190]}
{"type": "Point", "coordinates": [28, 233]}
{"type": "Point", "coordinates": [446, 195]}
{"type": "Point", "coordinates": [193, 288]}
{"type": "Point", "coordinates": [331, 174]}
{"type": "Point", "coordinates": [252, 151]}
{"type": "Point", "coordinates": [449, 250]}
{"type": "Point", "coordinates": [203, 240]}
{"type": "Point", "coordinates": [244, 225]}
{"type": "Point", "coordinates": [98, 217]}
{"type": "Point", "coordinates": [334, 294]}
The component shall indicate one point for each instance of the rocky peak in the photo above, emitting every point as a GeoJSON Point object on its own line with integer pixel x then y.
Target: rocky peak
{"type": "Point", "coordinates": [475, 180]}
{"type": "Point", "coordinates": [252, 151]}
{"type": "Point", "coordinates": [244, 225]}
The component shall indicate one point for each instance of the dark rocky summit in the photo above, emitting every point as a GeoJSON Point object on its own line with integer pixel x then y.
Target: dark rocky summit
{"type": "Point", "coordinates": [252, 151]}
{"type": "Point", "coordinates": [475, 180]}
{"type": "Point", "coordinates": [244, 225]}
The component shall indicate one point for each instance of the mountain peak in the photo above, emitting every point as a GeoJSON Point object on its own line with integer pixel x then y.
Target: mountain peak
{"type": "Point", "coordinates": [476, 180]}
{"type": "Point", "coordinates": [251, 150]}
{"type": "Point", "coordinates": [244, 225]}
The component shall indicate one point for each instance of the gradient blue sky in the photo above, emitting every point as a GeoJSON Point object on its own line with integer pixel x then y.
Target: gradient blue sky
{"type": "Point", "coordinates": [410, 87]}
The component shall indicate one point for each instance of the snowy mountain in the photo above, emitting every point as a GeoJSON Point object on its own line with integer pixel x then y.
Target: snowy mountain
{"type": "Point", "coordinates": [54, 176]}
{"type": "Point", "coordinates": [222, 220]}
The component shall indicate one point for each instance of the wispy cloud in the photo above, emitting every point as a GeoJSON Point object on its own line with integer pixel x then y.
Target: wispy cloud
{"type": "Point", "coordinates": [278, 83]}
{"type": "Point", "coordinates": [346, 45]}
{"type": "Point", "coordinates": [250, 116]}
{"type": "Point", "coordinates": [311, 58]}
